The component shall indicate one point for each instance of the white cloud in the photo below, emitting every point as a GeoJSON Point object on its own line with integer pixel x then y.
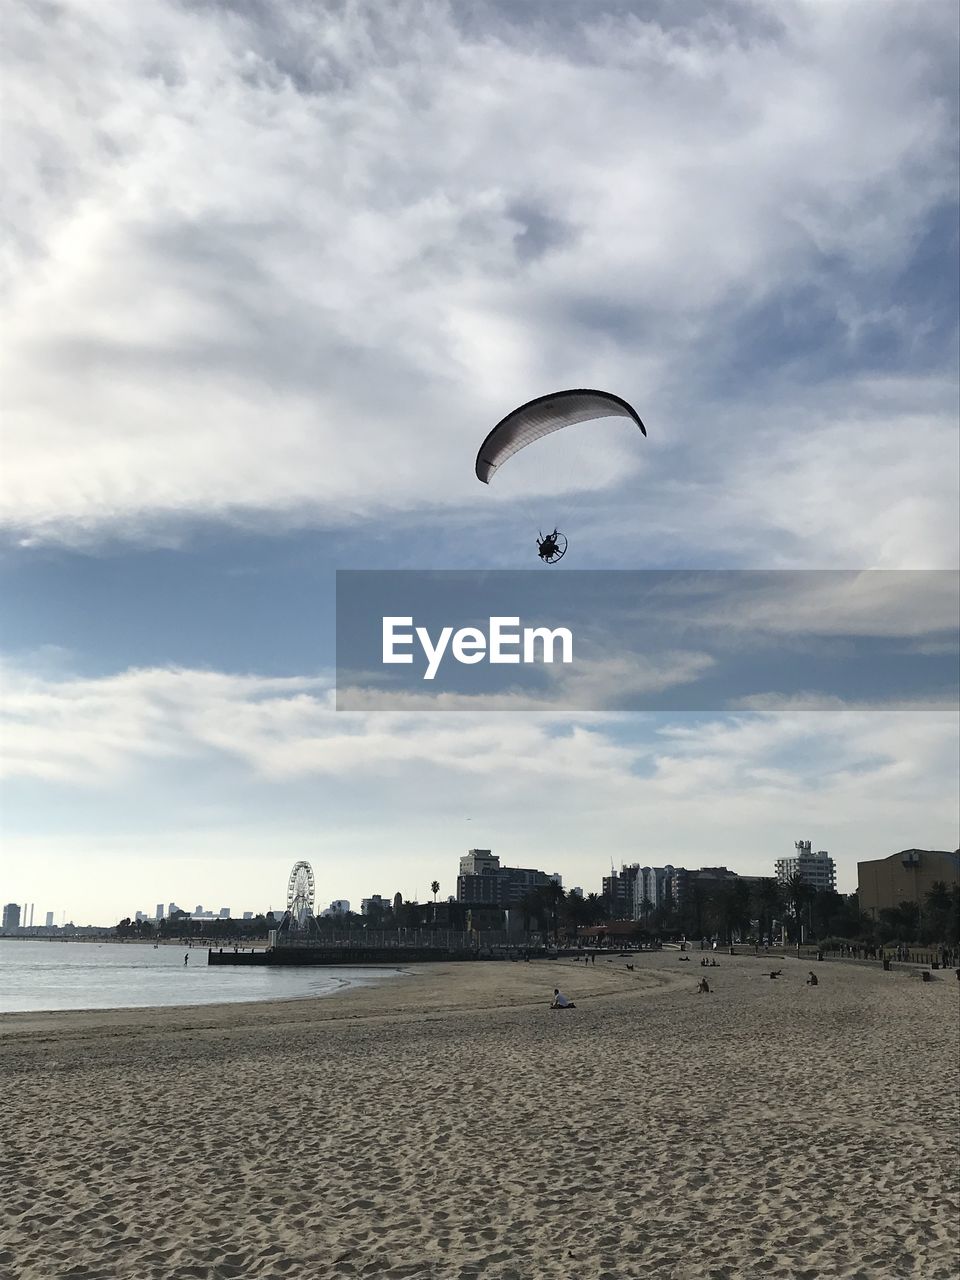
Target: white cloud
{"type": "Point", "coordinates": [179, 764]}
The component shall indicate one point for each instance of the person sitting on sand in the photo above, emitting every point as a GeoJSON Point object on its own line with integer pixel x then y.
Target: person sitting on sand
{"type": "Point", "coordinates": [813, 980]}
{"type": "Point", "coordinates": [703, 987]}
{"type": "Point", "coordinates": [560, 1001]}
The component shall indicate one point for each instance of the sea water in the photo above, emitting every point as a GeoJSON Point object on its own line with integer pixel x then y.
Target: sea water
{"type": "Point", "coordinates": [38, 975]}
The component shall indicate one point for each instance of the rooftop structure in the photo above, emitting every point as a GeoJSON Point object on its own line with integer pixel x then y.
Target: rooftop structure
{"type": "Point", "coordinates": [478, 862]}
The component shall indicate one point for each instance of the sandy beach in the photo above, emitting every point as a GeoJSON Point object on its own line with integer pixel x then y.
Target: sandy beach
{"type": "Point", "coordinates": [450, 1126]}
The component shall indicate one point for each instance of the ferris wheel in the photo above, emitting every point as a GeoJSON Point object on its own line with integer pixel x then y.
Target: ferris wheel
{"type": "Point", "coordinates": [301, 894]}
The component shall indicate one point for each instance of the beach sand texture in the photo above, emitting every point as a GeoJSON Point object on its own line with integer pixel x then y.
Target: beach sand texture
{"type": "Point", "coordinates": [449, 1126]}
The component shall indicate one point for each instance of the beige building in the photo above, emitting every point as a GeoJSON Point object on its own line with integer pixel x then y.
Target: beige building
{"type": "Point", "coordinates": [907, 876]}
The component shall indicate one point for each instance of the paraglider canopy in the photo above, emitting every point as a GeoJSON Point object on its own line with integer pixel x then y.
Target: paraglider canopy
{"type": "Point", "coordinates": [540, 417]}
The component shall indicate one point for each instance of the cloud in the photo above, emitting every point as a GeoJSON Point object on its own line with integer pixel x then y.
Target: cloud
{"type": "Point", "coordinates": [908, 605]}
{"type": "Point", "coordinates": [102, 732]}
{"type": "Point", "coordinates": [268, 259]}
{"type": "Point", "coordinates": [161, 783]}
{"type": "Point", "coordinates": [98, 732]}
{"type": "Point", "coordinates": [592, 684]}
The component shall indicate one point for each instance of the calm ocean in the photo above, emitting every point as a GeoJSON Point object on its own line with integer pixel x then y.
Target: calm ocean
{"type": "Point", "coordinates": [111, 975]}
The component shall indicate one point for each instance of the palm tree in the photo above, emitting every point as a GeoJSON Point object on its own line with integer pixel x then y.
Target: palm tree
{"type": "Point", "coordinates": [598, 908]}
{"type": "Point", "coordinates": [553, 897]}
{"type": "Point", "coordinates": [576, 911]}
{"type": "Point", "coordinates": [768, 900]}
{"type": "Point", "coordinates": [797, 893]}
{"type": "Point", "coordinates": [529, 905]}
{"type": "Point", "coordinates": [435, 888]}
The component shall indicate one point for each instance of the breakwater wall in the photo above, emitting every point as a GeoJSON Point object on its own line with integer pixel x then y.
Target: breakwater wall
{"type": "Point", "coordinates": [341, 955]}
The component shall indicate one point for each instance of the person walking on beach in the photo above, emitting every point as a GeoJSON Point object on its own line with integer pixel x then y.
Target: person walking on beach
{"type": "Point", "coordinates": [186, 958]}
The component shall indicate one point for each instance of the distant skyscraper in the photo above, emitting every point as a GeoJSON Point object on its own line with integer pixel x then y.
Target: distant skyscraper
{"type": "Point", "coordinates": [159, 911]}
{"type": "Point", "coordinates": [248, 915]}
{"type": "Point", "coordinates": [11, 916]}
{"type": "Point", "coordinates": [815, 869]}
{"type": "Point", "coordinates": [49, 920]}
{"type": "Point", "coordinates": [224, 913]}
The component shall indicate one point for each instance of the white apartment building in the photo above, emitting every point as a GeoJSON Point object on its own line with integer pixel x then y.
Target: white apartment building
{"type": "Point", "coordinates": [815, 869]}
{"type": "Point", "coordinates": [653, 884]}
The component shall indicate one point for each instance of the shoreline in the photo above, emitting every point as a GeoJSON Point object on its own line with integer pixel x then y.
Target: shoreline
{"type": "Point", "coordinates": [453, 1127]}
{"type": "Point", "coordinates": [92, 1014]}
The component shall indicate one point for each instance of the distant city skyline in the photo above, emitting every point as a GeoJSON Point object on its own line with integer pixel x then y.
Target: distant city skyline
{"type": "Point", "coordinates": [778, 868]}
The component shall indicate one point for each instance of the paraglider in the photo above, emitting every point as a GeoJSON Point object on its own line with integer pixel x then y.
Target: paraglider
{"type": "Point", "coordinates": [550, 549]}
{"type": "Point", "coordinates": [538, 418]}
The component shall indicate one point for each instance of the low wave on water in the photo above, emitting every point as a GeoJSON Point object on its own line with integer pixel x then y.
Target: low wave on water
{"type": "Point", "coordinates": [45, 976]}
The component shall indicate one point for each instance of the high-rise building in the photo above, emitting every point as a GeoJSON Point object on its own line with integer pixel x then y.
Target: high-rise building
{"type": "Point", "coordinates": [11, 916]}
{"type": "Point", "coordinates": [815, 869]}
{"type": "Point", "coordinates": [248, 915]}
{"type": "Point", "coordinates": [655, 886]}
{"type": "Point", "coordinates": [224, 913]}
{"type": "Point", "coordinates": [618, 889]}
{"type": "Point", "coordinates": [49, 920]}
{"type": "Point", "coordinates": [482, 880]}
{"type": "Point", "coordinates": [158, 914]}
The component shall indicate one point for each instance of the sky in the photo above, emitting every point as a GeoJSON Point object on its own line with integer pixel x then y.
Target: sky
{"type": "Point", "coordinates": [271, 273]}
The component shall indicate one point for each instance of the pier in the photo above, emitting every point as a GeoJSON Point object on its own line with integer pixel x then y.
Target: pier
{"type": "Point", "coordinates": [346, 955]}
